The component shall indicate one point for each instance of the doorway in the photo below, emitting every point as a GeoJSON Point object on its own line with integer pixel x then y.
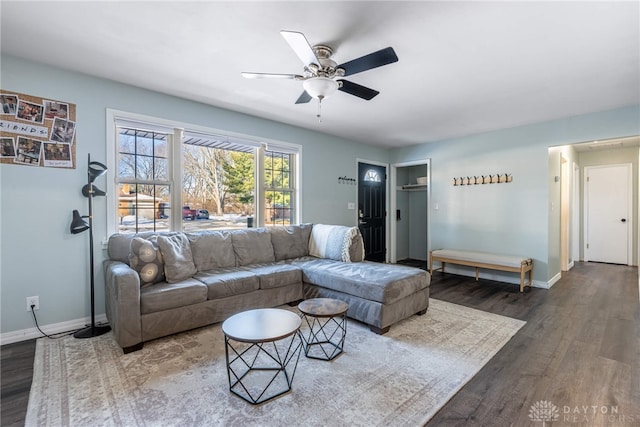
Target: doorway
{"type": "Point", "coordinates": [410, 222]}
{"type": "Point", "coordinates": [372, 184]}
{"type": "Point", "coordinates": [608, 214]}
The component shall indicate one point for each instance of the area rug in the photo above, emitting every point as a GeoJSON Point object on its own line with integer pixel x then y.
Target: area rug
{"type": "Point", "coordinates": [401, 378]}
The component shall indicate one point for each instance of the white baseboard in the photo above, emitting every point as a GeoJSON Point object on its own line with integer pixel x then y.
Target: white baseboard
{"type": "Point", "coordinates": [554, 280]}
{"type": "Point", "coordinates": [54, 328]}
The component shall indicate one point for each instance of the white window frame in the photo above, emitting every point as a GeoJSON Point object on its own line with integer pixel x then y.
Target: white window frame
{"type": "Point", "coordinates": [117, 118]}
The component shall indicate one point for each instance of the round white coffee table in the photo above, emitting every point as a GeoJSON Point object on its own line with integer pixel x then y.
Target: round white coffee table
{"type": "Point", "coordinates": [262, 349]}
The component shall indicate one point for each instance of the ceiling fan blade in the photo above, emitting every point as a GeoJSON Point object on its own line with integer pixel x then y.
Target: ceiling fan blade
{"type": "Point", "coordinates": [300, 46]}
{"type": "Point", "coordinates": [271, 76]}
{"type": "Point", "coordinates": [303, 98]}
{"type": "Point", "coordinates": [357, 90]}
{"type": "Point", "coordinates": [372, 60]}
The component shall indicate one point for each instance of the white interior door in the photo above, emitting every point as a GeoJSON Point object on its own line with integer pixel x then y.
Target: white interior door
{"type": "Point", "coordinates": [608, 213]}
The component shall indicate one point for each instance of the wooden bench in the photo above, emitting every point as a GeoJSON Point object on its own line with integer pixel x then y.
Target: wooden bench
{"type": "Point", "coordinates": [480, 260]}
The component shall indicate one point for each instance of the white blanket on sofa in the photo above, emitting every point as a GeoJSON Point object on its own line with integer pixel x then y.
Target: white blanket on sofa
{"type": "Point", "coordinates": [332, 241]}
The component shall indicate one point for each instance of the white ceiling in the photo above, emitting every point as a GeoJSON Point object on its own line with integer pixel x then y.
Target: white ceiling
{"type": "Point", "coordinates": [464, 67]}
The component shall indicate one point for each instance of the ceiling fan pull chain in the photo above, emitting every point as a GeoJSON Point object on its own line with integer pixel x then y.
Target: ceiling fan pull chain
{"type": "Point", "coordinates": [319, 115]}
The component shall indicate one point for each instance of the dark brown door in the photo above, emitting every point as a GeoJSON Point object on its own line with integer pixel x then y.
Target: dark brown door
{"type": "Point", "coordinates": [371, 210]}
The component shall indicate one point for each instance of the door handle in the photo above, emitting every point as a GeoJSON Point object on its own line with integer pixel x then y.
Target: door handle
{"type": "Point", "coordinates": [623, 220]}
{"type": "Point", "coordinates": [361, 222]}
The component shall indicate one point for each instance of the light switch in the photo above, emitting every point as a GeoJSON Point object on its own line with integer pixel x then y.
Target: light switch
{"type": "Point", "coordinates": [351, 205]}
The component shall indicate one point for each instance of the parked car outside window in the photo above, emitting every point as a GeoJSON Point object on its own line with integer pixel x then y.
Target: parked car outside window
{"type": "Point", "coordinates": [188, 213]}
{"type": "Point", "coordinates": [202, 214]}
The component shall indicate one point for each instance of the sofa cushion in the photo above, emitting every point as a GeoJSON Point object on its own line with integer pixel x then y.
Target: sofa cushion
{"type": "Point", "coordinates": [227, 282]}
{"type": "Point", "coordinates": [178, 259]}
{"type": "Point", "coordinates": [252, 246]}
{"type": "Point", "coordinates": [384, 283]}
{"type": "Point", "coordinates": [276, 275]}
{"type": "Point", "coordinates": [336, 242]}
{"type": "Point", "coordinates": [145, 258]}
{"type": "Point", "coordinates": [212, 249]}
{"type": "Point", "coordinates": [290, 242]}
{"type": "Point", "coordinates": [164, 296]}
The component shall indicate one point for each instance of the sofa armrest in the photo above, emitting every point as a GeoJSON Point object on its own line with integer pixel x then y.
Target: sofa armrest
{"type": "Point", "coordinates": [122, 295]}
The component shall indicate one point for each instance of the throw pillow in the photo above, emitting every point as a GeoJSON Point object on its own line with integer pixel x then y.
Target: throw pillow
{"type": "Point", "coordinates": [146, 258]}
{"type": "Point", "coordinates": [290, 242]}
{"type": "Point", "coordinates": [335, 242]}
{"type": "Point", "coordinates": [178, 259]}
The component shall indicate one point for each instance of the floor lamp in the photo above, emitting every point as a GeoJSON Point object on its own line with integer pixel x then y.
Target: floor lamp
{"type": "Point", "coordinates": [78, 225]}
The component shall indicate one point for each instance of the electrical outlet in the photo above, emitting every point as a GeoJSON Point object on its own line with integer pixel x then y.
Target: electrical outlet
{"type": "Point", "coordinates": [35, 301]}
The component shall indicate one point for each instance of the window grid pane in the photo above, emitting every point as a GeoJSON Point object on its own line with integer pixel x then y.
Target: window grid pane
{"type": "Point", "coordinates": [143, 208]}
{"type": "Point", "coordinates": [143, 181]}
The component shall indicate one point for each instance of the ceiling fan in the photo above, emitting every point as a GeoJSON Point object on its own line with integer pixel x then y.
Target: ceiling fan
{"type": "Point", "coordinates": [322, 75]}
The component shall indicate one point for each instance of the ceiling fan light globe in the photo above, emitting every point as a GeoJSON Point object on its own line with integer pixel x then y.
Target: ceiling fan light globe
{"type": "Point", "coordinates": [320, 87]}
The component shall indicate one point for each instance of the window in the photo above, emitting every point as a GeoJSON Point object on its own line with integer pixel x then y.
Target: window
{"type": "Point", "coordinates": [168, 177]}
{"type": "Point", "coordinates": [372, 175]}
{"type": "Point", "coordinates": [278, 188]}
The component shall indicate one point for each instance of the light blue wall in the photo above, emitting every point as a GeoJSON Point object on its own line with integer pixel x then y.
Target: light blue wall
{"type": "Point", "coordinates": [40, 257]}
{"type": "Point", "coordinates": [514, 217]}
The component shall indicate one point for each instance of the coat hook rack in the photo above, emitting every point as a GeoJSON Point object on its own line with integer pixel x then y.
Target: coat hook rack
{"type": "Point", "coordinates": [482, 179]}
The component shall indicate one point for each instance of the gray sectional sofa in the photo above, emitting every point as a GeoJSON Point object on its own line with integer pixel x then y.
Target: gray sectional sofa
{"type": "Point", "coordinates": [162, 283]}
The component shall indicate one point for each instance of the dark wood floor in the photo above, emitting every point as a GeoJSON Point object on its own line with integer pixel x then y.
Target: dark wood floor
{"type": "Point", "coordinates": [16, 371]}
{"type": "Point", "coordinates": [580, 348]}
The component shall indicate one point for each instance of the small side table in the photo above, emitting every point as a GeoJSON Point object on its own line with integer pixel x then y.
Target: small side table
{"type": "Point", "coordinates": [326, 319]}
{"type": "Point", "coordinates": [262, 348]}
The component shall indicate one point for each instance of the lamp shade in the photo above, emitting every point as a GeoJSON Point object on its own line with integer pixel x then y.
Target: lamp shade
{"type": "Point", "coordinates": [320, 87]}
{"type": "Point", "coordinates": [95, 170]}
{"type": "Point", "coordinates": [86, 191]}
{"type": "Point", "coordinates": [78, 224]}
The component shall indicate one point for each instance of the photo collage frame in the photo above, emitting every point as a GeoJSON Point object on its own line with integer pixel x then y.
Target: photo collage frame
{"type": "Point", "coordinates": [37, 131]}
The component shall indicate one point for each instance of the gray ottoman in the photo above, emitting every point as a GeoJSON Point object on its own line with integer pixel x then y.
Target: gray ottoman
{"type": "Point", "coordinates": [378, 295]}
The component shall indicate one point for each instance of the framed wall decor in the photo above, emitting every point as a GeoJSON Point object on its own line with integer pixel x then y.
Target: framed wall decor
{"type": "Point", "coordinates": [37, 132]}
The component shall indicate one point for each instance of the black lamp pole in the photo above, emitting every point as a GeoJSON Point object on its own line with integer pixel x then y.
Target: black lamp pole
{"type": "Point", "coordinates": [78, 225]}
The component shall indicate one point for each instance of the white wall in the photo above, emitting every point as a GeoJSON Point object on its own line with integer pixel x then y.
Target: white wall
{"type": "Point", "coordinates": [40, 257]}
